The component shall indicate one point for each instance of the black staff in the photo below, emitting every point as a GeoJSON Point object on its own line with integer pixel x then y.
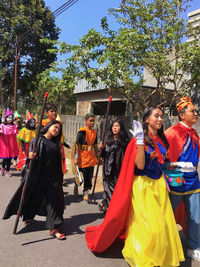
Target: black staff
{"type": "Point", "coordinates": [103, 139]}
{"type": "Point", "coordinates": [19, 212]}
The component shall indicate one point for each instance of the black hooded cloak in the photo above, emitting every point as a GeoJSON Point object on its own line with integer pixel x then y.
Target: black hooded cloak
{"type": "Point", "coordinates": [43, 194]}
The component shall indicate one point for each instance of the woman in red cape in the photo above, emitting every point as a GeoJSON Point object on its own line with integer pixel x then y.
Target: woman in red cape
{"type": "Point", "coordinates": [140, 207]}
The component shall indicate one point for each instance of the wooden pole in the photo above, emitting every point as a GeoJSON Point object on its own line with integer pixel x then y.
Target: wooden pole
{"type": "Point", "coordinates": [16, 60]}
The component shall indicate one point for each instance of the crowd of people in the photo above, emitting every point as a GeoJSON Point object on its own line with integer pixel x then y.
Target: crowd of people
{"type": "Point", "coordinates": [150, 180]}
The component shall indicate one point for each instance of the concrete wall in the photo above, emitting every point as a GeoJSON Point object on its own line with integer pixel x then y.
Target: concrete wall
{"type": "Point", "coordinates": [72, 124]}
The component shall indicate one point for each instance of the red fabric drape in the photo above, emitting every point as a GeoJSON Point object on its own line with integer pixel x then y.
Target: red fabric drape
{"type": "Point", "coordinates": [100, 237]}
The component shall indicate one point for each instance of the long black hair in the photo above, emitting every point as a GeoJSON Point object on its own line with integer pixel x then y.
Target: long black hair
{"type": "Point", "coordinates": [29, 122]}
{"type": "Point", "coordinates": [123, 135]}
{"type": "Point", "coordinates": [148, 141]}
{"type": "Point", "coordinates": [45, 129]}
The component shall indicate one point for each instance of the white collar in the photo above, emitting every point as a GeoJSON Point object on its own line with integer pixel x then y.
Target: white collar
{"type": "Point", "coordinates": [183, 124]}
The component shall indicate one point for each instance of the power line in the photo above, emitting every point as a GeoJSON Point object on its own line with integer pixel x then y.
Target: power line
{"type": "Point", "coordinates": [56, 13]}
{"type": "Point", "coordinates": [64, 7]}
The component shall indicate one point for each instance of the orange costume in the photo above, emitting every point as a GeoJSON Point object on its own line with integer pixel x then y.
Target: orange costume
{"type": "Point", "coordinates": [86, 156]}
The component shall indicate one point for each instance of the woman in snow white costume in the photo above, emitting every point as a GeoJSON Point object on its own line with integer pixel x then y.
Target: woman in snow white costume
{"type": "Point", "coordinates": [8, 143]}
{"type": "Point", "coordinates": [140, 205]}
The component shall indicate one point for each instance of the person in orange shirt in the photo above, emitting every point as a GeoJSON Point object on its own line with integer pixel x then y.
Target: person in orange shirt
{"type": "Point", "coordinates": [86, 153]}
{"type": "Point", "coordinates": [51, 112]}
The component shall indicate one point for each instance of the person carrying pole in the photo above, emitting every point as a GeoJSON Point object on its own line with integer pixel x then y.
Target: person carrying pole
{"type": "Point", "coordinates": [86, 153]}
{"type": "Point", "coordinates": [44, 193]}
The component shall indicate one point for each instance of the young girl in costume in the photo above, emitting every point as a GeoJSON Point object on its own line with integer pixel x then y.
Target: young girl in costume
{"type": "Point", "coordinates": [8, 143]}
{"type": "Point", "coordinates": [25, 136]}
{"type": "Point", "coordinates": [140, 205]}
{"type": "Point", "coordinates": [113, 154]}
{"type": "Point", "coordinates": [44, 193]}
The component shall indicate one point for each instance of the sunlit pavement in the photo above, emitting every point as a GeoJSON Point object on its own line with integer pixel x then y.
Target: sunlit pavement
{"type": "Point", "coordinates": [32, 246]}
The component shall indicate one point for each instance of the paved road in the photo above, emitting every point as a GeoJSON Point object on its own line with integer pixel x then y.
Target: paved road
{"type": "Point", "coordinates": [33, 247]}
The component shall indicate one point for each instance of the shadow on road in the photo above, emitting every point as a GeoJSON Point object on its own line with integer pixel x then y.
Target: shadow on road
{"type": "Point", "coordinates": [72, 225]}
{"type": "Point", "coordinates": [114, 251]}
{"type": "Point", "coordinates": [34, 227]}
{"type": "Point", "coordinates": [36, 241]}
{"type": "Point", "coordinates": [69, 199]}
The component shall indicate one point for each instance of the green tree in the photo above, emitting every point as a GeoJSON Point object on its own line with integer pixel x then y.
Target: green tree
{"type": "Point", "coordinates": [151, 36]}
{"type": "Point", "coordinates": [30, 21]}
{"type": "Point", "coordinates": [60, 90]}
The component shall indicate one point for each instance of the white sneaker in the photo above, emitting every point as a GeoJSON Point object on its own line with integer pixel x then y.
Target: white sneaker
{"type": "Point", "coordinates": [194, 253]}
{"type": "Point", "coordinates": [8, 174]}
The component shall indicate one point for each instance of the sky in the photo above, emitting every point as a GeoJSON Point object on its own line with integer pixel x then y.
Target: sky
{"type": "Point", "coordinates": [86, 14]}
{"type": "Point", "coordinates": [81, 17]}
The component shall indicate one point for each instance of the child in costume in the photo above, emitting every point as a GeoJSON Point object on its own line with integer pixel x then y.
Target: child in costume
{"type": "Point", "coordinates": [184, 147]}
{"type": "Point", "coordinates": [25, 137]}
{"type": "Point", "coordinates": [140, 206]}
{"type": "Point", "coordinates": [112, 154]}
{"type": "Point", "coordinates": [85, 153]}
{"type": "Point", "coordinates": [44, 194]}
{"type": "Point", "coordinates": [8, 143]}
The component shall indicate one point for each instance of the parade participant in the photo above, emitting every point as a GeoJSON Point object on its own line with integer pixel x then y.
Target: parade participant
{"type": "Point", "coordinates": [24, 137]}
{"type": "Point", "coordinates": [86, 151]}
{"type": "Point", "coordinates": [184, 147]}
{"type": "Point", "coordinates": [44, 193]}
{"type": "Point", "coordinates": [140, 204]}
{"type": "Point", "coordinates": [112, 154]}
{"type": "Point", "coordinates": [8, 143]}
{"type": "Point", "coordinates": [17, 121]}
{"type": "Point", "coordinates": [51, 112]}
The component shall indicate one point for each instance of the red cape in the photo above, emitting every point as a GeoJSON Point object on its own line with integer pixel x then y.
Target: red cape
{"type": "Point", "coordinates": [177, 137]}
{"type": "Point", "coordinates": [100, 237]}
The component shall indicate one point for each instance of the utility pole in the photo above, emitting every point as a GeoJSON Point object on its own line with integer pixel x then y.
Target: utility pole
{"type": "Point", "coordinates": [16, 59]}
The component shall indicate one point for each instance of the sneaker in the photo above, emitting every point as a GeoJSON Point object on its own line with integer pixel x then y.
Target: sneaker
{"type": "Point", "coordinates": [2, 171]}
{"type": "Point", "coordinates": [194, 253]}
{"type": "Point", "coordinates": [14, 163]}
{"type": "Point", "coordinates": [8, 174]}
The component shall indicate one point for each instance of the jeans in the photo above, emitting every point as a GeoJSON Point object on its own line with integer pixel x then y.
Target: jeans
{"type": "Point", "coordinates": [192, 207]}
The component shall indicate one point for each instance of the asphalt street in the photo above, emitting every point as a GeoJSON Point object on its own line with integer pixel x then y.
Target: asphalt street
{"type": "Point", "coordinates": [33, 247]}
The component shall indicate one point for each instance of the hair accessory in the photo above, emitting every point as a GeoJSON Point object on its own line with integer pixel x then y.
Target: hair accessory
{"type": "Point", "coordinates": [8, 112]}
{"type": "Point", "coordinates": [184, 102]}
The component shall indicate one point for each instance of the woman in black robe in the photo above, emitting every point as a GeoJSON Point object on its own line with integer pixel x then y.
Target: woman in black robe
{"type": "Point", "coordinates": [44, 193]}
{"type": "Point", "coordinates": [112, 154]}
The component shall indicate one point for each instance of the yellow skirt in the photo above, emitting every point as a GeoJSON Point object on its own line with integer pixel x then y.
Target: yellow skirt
{"type": "Point", "coordinates": [152, 237]}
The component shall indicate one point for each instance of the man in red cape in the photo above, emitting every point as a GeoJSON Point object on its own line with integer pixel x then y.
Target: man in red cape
{"type": "Point", "coordinates": [185, 199]}
{"type": "Point", "coordinates": [100, 237]}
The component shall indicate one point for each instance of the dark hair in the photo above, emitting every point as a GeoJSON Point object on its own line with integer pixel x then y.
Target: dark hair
{"type": "Point", "coordinates": [5, 122]}
{"type": "Point", "coordinates": [148, 141]}
{"type": "Point", "coordinates": [29, 122]}
{"type": "Point", "coordinates": [88, 115]}
{"type": "Point", "coordinates": [50, 106]}
{"type": "Point", "coordinates": [123, 135]}
{"type": "Point", "coordinates": [182, 111]}
{"type": "Point", "coordinates": [45, 129]}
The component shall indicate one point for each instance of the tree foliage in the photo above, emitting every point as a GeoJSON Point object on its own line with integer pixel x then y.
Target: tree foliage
{"type": "Point", "coordinates": [30, 21]}
{"type": "Point", "coordinates": [152, 36]}
{"type": "Point", "coordinates": [60, 90]}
